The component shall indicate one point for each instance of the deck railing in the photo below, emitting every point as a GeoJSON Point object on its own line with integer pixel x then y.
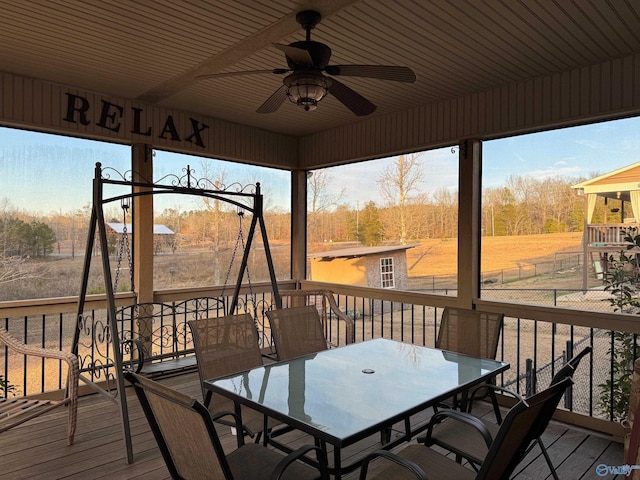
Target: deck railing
{"type": "Point", "coordinates": [610, 234]}
{"type": "Point", "coordinates": [535, 339]}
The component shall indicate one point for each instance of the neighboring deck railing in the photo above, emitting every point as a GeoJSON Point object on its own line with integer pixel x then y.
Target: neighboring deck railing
{"type": "Point", "coordinates": [533, 336]}
{"type": "Point", "coordinates": [608, 235]}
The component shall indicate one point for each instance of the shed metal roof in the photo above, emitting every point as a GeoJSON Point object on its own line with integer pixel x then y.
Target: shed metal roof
{"type": "Point", "coordinates": [359, 251]}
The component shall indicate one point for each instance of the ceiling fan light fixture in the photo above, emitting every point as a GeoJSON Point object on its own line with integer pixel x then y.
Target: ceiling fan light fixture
{"type": "Point", "coordinates": [306, 89]}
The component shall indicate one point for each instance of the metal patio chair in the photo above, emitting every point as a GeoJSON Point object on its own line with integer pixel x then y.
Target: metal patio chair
{"type": "Point", "coordinates": [296, 331]}
{"type": "Point", "coordinates": [521, 426]}
{"type": "Point", "coordinates": [191, 448]}
{"type": "Point", "coordinates": [328, 309]}
{"type": "Point", "coordinates": [462, 440]}
{"type": "Point", "coordinates": [17, 410]}
{"type": "Point", "coordinates": [470, 332]}
{"type": "Point", "coordinates": [223, 346]}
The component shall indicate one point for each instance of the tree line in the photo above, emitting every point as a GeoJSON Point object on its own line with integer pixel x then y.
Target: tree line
{"type": "Point", "coordinates": [407, 212]}
{"type": "Point", "coordinates": [21, 239]}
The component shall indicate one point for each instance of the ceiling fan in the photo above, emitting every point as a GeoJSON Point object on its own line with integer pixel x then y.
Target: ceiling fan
{"type": "Point", "coordinates": [305, 85]}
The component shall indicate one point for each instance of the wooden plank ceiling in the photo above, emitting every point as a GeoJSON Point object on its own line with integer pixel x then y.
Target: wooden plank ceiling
{"type": "Point", "coordinates": [153, 50]}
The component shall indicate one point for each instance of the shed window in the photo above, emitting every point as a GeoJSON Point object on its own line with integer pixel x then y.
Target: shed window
{"type": "Point", "coordinates": [386, 273]}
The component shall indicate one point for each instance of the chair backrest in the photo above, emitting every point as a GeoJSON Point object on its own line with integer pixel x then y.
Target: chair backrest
{"type": "Point", "coordinates": [575, 361]}
{"type": "Point", "coordinates": [183, 430]}
{"type": "Point", "coordinates": [296, 331]}
{"type": "Point", "coordinates": [569, 368]}
{"type": "Point", "coordinates": [325, 302]}
{"type": "Point", "coordinates": [224, 346]}
{"type": "Point", "coordinates": [522, 425]}
{"type": "Point", "coordinates": [470, 332]}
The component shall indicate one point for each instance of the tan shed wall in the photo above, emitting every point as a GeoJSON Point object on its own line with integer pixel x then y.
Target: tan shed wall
{"type": "Point", "coordinates": [352, 271]}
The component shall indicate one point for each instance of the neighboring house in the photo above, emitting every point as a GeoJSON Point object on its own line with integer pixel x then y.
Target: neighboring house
{"type": "Point", "coordinates": [163, 236]}
{"type": "Point", "coordinates": [602, 239]}
{"type": "Point", "coordinates": [380, 267]}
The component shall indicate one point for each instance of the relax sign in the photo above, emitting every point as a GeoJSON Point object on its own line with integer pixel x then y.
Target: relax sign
{"type": "Point", "coordinates": [109, 116]}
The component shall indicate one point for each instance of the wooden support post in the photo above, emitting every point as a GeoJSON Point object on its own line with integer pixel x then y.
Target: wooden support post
{"type": "Point", "coordinates": [299, 225]}
{"type": "Point", "coordinates": [469, 206]}
{"type": "Point", "coordinates": [142, 222]}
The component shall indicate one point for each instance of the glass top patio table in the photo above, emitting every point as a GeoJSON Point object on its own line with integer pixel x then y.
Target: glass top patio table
{"type": "Point", "coordinates": [345, 394]}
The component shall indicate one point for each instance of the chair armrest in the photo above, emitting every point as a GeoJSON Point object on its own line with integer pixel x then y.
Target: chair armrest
{"type": "Point", "coordinates": [492, 389]}
{"type": "Point", "coordinates": [335, 309]}
{"type": "Point", "coordinates": [219, 415]}
{"type": "Point", "coordinates": [297, 454]}
{"type": "Point", "coordinates": [462, 417]}
{"type": "Point", "coordinates": [410, 466]}
{"type": "Point", "coordinates": [13, 344]}
{"type": "Point", "coordinates": [239, 427]}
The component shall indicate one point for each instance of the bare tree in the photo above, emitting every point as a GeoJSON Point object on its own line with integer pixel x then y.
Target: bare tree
{"type": "Point", "coordinates": [217, 179]}
{"type": "Point", "coordinates": [320, 200]}
{"type": "Point", "coordinates": [15, 268]}
{"type": "Point", "coordinates": [320, 195]}
{"type": "Point", "coordinates": [397, 182]}
{"type": "Point", "coordinates": [447, 212]}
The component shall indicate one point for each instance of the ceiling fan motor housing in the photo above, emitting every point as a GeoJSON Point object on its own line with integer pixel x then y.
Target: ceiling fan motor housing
{"type": "Point", "coordinates": [319, 52]}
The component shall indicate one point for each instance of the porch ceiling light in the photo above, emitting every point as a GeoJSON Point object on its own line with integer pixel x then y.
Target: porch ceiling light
{"type": "Point", "coordinates": [306, 89]}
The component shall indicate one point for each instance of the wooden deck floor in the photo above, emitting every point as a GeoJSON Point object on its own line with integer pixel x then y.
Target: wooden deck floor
{"type": "Point", "coordinates": [38, 450]}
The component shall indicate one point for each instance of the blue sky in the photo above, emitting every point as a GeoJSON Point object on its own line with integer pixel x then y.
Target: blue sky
{"type": "Point", "coordinates": [51, 173]}
{"type": "Point", "coordinates": [578, 152]}
{"type": "Point", "coordinates": [571, 152]}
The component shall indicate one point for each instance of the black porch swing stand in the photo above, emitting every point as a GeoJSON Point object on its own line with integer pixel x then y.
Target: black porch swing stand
{"type": "Point", "coordinates": [104, 339]}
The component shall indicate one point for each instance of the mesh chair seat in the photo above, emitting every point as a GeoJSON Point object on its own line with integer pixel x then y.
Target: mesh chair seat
{"type": "Point", "coordinates": [522, 424]}
{"type": "Point", "coordinates": [464, 440]}
{"type": "Point", "coordinates": [224, 346]}
{"type": "Point", "coordinates": [191, 448]}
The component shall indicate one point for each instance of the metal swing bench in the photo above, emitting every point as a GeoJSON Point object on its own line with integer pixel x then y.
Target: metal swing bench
{"type": "Point", "coordinates": [155, 337]}
{"type": "Point", "coordinates": [166, 347]}
{"type": "Point", "coordinates": [152, 338]}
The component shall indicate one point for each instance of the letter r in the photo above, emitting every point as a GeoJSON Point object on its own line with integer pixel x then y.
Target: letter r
{"type": "Point", "coordinates": [81, 109]}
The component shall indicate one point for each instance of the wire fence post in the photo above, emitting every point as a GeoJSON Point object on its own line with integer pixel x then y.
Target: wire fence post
{"type": "Point", "coordinates": [530, 378]}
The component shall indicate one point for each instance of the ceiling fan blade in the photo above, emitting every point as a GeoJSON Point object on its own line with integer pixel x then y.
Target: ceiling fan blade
{"type": "Point", "coordinates": [274, 101]}
{"type": "Point", "coordinates": [277, 71]}
{"type": "Point", "coordinates": [351, 99]}
{"type": "Point", "coordinates": [382, 72]}
{"type": "Point", "coordinates": [299, 56]}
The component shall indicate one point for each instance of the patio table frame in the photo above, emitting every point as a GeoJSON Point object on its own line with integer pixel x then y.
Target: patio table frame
{"type": "Point", "coordinates": [420, 376]}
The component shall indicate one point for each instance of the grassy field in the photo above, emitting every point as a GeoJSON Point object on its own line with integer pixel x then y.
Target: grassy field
{"type": "Point", "coordinates": [439, 256]}
{"type": "Point", "coordinates": [429, 258]}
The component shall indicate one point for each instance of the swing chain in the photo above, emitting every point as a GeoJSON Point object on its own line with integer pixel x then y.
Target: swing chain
{"type": "Point", "coordinates": [240, 242]}
{"type": "Point", "coordinates": [124, 246]}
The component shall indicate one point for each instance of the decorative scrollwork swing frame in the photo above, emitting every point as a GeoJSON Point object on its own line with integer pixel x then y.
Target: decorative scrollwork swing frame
{"type": "Point", "coordinates": [247, 197]}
